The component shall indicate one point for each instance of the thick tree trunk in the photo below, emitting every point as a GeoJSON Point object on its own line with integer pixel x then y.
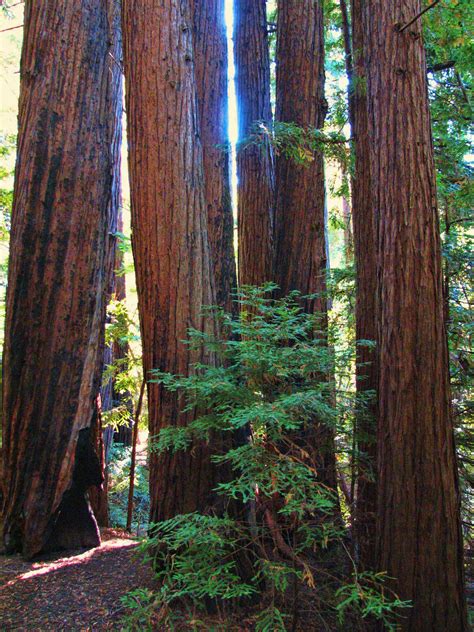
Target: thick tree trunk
{"type": "Point", "coordinates": [255, 170]}
{"type": "Point", "coordinates": [301, 249]}
{"type": "Point", "coordinates": [419, 535]}
{"type": "Point", "coordinates": [210, 61]}
{"type": "Point", "coordinates": [363, 219]}
{"type": "Point", "coordinates": [169, 221]}
{"type": "Point", "coordinates": [63, 209]}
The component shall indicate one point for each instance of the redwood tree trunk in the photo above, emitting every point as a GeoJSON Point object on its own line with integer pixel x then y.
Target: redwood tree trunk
{"type": "Point", "coordinates": [301, 249]}
{"type": "Point", "coordinates": [103, 437]}
{"type": "Point", "coordinates": [169, 222]}
{"type": "Point", "coordinates": [210, 60]}
{"type": "Point", "coordinates": [254, 161]}
{"type": "Point", "coordinates": [419, 535]}
{"type": "Point", "coordinates": [63, 209]}
{"type": "Point", "coordinates": [300, 191]}
{"type": "Point", "coordinates": [363, 219]}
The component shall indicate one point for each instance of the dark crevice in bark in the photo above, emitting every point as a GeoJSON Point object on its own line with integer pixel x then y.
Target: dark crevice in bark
{"type": "Point", "coordinates": [74, 524]}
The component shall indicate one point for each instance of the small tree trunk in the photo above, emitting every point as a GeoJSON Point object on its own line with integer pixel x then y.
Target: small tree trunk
{"type": "Point", "coordinates": [63, 209]}
{"type": "Point", "coordinates": [133, 458]}
{"type": "Point", "coordinates": [170, 239]}
{"type": "Point", "coordinates": [107, 402]}
{"type": "Point", "coordinates": [419, 534]}
{"type": "Point", "coordinates": [255, 169]}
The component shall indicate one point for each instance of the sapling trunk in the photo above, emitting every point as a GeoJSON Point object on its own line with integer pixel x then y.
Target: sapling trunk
{"type": "Point", "coordinates": [131, 486]}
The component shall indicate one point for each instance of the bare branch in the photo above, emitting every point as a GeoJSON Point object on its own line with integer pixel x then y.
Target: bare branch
{"type": "Point", "coordinates": [11, 28]}
{"type": "Point", "coordinates": [418, 16]}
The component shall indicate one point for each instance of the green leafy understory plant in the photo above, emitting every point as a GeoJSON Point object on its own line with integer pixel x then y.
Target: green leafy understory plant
{"type": "Point", "coordinates": [119, 481]}
{"type": "Point", "coordinates": [267, 399]}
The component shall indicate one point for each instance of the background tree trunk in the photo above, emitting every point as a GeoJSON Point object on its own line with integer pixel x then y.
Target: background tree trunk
{"type": "Point", "coordinates": [64, 203]}
{"type": "Point", "coordinates": [300, 191]}
{"type": "Point", "coordinates": [419, 535]}
{"type": "Point", "coordinates": [301, 259]}
{"type": "Point", "coordinates": [255, 169]}
{"type": "Point", "coordinates": [103, 437]}
{"type": "Point", "coordinates": [169, 222]}
{"type": "Point", "coordinates": [210, 55]}
{"type": "Point", "coordinates": [120, 350]}
{"type": "Point", "coordinates": [363, 219]}
{"type": "Point", "coordinates": [98, 495]}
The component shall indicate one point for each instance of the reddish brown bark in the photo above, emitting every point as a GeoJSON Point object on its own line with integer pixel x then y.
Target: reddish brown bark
{"type": "Point", "coordinates": [169, 222]}
{"type": "Point", "coordinates": [300, 191]}
{"type": "Point", "coordinates": [210, 60]}
{"type": "Point", "coordinates": [419, 535]}
{"type": "Point", "coordinates": [64, 196]}
{"type": "Point", "coordinates": [301, 248]}
{"type": "Point", "coordinates": [103, 437]}
{"type": "Point", "coordinates": [363, 219]}
{"type": "Point", "coordinates": [254, 161]}
{"type": "Point", "coordinates": [98, 495]}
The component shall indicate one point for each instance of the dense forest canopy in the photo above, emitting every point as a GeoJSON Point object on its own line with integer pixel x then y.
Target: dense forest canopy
{"type": "Point", "coordinates": [236, 305]}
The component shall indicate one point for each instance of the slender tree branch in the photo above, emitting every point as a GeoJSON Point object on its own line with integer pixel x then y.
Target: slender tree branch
{"type": "Point", "coordinates": [460, 220]}
{"type": "Point", "coordinates": [441, 66]}
{"type": "Point", "coordinates": [11, 28]}
{"type": "Point", "coordinates": [419, 15]}
{"type": "Point", "coordinates": [463, 89]}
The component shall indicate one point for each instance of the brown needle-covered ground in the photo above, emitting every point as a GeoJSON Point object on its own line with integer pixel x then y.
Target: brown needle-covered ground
{"type": "Point", "coordinates": [74, 590]}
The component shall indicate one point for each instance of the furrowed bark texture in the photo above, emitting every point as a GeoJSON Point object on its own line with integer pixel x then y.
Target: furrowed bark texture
{"type": "Point", "coordinates": [301, 252]}
{"type": "Point", "coordinates": [98, 496]}
{"type": "Point", "coordinates": [210, 60]}
{"type": "Point", "coordinates": [103, 437]}
{"type": "Point", "coordinates": [419, 536]}
{"type": "Point", "coordinates": [170, 240]}
{"type": "Point", "coordinates": [301, 249]}
{"type": "Point", "coordinates": [255, 169]}
{"type": "Point", "coordinates": [363, 218]}
{"type": "Point", "coordinates": [64, 196]}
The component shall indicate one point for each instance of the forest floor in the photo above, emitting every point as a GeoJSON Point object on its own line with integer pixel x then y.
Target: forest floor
{"type": "Point", "coordinates": [79, 590]}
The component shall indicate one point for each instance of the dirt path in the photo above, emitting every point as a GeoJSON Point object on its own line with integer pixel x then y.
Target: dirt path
{"type": "Point", "coordinates": [78, 591]}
